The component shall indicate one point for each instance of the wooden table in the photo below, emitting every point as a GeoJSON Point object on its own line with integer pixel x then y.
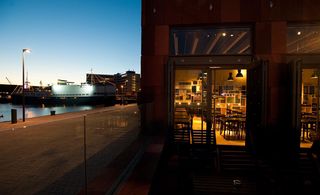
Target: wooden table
{"type": "Point", "coordinates": [232, 124]}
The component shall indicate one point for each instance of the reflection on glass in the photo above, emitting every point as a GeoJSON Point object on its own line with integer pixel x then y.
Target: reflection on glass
{"type": "Point", "coordinates": [210, 41]}
{"type": "Point", "coordinates": [303, 39]}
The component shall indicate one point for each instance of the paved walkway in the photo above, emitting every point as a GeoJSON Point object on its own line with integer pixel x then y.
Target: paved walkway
{"type": "Point", "coordinates": [45, 155]}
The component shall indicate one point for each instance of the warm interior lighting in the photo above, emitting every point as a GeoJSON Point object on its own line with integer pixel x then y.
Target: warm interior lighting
{"type": "Point", "coordinates": [230, 78]}
{"type": "Point", "coordinates": [239, 74]}
{"type": "Point", "coordinates": [224, 34]}
{"type": "Point", "coordinates": [314, 75]}
{"type": "Point", "coordinates": [299, 33]}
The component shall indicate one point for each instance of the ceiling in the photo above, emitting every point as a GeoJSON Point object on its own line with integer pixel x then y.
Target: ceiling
{"type": "Point", "coordinates": [210, 41]}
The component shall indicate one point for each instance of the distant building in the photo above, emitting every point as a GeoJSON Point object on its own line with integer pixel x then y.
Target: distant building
{"type": "Point", "coordinates": [130, 82]}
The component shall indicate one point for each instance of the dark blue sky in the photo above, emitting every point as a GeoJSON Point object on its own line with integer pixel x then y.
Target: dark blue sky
{"type": "Point", "coordinates": [68, 38]}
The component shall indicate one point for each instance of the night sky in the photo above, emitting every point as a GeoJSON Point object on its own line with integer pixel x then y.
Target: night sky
{"type": "Point", "coordinates": [68, 38]}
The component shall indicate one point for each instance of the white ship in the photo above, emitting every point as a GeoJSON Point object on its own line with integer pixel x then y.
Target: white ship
{"type": "Point", "coordinates": [68, 93]}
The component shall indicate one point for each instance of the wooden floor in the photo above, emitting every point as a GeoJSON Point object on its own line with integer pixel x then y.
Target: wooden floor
{"type": "Point", "coordinates": [222, 141]}
{"type": "Point", "coordinates": [305, 144]}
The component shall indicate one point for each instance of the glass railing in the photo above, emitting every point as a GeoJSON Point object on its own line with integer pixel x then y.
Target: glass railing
{"type": "Point", "coordinates": [64, 154]}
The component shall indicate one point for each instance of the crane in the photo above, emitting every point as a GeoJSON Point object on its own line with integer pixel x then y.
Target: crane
{"type": "Point", "coordinates": [8, 80]}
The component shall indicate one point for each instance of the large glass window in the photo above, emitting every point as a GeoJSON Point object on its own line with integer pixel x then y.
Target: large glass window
{"type": "Point", "coordinates": [303, 39]}
{"type": "Point", "coordinates": [210, 106]}
{"type": "Point", "coordinates": [309, 106]}
{"type": "Point", "coordinates": [210, 41]}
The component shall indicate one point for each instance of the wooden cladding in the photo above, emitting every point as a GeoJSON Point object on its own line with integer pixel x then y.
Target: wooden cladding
{"type": "Point", "coordinates": [173, 12]}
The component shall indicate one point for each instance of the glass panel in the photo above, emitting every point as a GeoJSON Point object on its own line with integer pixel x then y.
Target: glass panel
{"type": "Point", "coordinates": [303, 39]}
{"type": "Point", "coordinates": [210, 41]}
{"type": "Point", "coordinates": [309, 106]}
{"type": "Point", "coordinates": [189, 104]}
{"type": "Point", "coordinates": [229, 106]}
{"type": "Point", "coordinates": [48, 155]}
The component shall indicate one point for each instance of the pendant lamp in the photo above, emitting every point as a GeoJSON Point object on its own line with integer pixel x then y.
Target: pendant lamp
{"type": "Point", "coordinates": [239, 74]}
{"type": "Point", "coordinates": [230, 78]}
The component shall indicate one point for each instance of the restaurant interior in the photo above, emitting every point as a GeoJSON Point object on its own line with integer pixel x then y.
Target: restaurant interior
{"type": "Point", "coordinates": [210, 104]}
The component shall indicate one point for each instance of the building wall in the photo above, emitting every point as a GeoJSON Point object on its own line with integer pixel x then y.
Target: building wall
{"type": "Point", "coordinates": [269, 20]}
{"type": "Point", "coordinates": [129, 80]}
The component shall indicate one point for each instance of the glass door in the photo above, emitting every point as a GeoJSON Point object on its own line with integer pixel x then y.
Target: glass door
{"type": "Point", "coordinates": [210, 106]}
{"type": "Point", "coordinates": [309, 106]}
{"type": "Point", "coordinates": [229, 89]}
{"type": "Point", "coordinates": [190, 106]}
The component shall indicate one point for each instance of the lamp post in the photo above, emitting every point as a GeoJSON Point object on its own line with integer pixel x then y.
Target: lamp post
{"type": "Point", "coordinates": [121, 94]}
{"type": "Point", "coordinates": [26, 50]}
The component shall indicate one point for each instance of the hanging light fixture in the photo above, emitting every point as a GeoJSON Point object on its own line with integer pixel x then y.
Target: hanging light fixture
{"type": "Point", "coordinates": [314, 75]}
{"type": "Point", "coordinates": [230, 78]}
{"type": "Point", "coordinates": [239, 74]}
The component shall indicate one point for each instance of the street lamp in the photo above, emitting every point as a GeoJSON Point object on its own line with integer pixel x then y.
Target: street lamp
{"type": "Point", "coordinates": [25, 50]}
{"type": "Point", "coordinates": [121, 94]}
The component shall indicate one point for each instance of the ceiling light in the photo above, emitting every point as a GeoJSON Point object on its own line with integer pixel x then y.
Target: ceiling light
{"type": "Point", "coordinates": [314, 75]}
{"type": "Point", "coordinates": [239, 74]}
{"type": "Point", "coordinates": [210, 7]}
{"type": "Point", "coordinates": [230, 78]}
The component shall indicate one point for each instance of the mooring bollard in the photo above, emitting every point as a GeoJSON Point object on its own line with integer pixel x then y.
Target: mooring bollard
{"type": "Point", "coordinates": [13, 116]}
{"type": "Point", "coordinates": [53, 112]}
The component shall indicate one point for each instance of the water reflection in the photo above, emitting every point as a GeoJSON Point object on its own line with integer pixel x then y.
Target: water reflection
{"type": "Point", "coordinates": [34, 111]}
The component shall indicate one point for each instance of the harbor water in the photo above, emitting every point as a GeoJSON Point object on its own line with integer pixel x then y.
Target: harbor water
{"type": "Point", "coordinates": [34, 111]}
